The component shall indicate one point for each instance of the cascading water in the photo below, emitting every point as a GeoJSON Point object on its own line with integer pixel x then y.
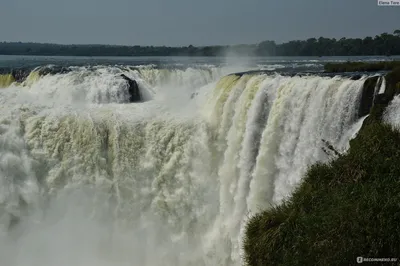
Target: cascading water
{"type": "Point", "coordinates": [391, 115]}
{"type": "Point", "coordinates": [382, 88]}
{"type": "Point", "coordinates": [85, 180]}
{"type": "Point", "coordinates": [6, 80]}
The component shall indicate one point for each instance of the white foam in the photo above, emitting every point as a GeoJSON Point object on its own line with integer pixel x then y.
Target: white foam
{"type": "Point", "coordinates": [165, 182]}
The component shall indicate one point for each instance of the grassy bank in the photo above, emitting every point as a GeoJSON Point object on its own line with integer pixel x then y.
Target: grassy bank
{"type": "Point", "coordinates": [342, 210]}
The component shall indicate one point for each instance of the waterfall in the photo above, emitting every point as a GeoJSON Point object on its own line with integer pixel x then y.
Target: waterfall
{"type": "Point", "coordinates": [167, 182]}
{"type": "Point", "coordinates": [6, 80]}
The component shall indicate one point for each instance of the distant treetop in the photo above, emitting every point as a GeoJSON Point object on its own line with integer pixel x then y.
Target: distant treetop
{"type": "Point", "coordinates": [384, 44]}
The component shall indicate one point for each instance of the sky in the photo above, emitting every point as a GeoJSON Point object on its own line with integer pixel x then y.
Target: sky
{"type": "Point", "coordinates": [185, 22]}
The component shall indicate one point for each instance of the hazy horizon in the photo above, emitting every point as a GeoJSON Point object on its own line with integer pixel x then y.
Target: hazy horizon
{"type": "Point", "coordinates": [183, 23]}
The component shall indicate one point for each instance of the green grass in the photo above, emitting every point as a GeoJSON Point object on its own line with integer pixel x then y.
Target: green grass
{"type": "Point", "coordinates": [361, 66]}
{"type": "Point", "coordinates": [342, 210]}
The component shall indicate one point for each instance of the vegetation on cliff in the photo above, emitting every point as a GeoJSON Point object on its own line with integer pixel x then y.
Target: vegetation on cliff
{"type": "Point", "coordinates": [361, 66]}
{"type": "Point", "coordinates": [383, 44]}
{"type": "Point", "coordinates": [344, 209]}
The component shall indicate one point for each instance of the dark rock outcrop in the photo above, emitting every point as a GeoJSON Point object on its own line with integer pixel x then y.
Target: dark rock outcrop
{"type": "Point", "coordinates": [381, 101]}
{"type": "Point", "coordinates": [134, 92]}
{"type": "Point", "coordinates": [329, 149]}
{"type": "Point", "coordinates": [20, 74]}
{"type": "Point", "coordinates": [367, 97]}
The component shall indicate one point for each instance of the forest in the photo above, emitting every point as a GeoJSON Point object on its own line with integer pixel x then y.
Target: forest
{"type": "Point", "coordinates": [384, 44]}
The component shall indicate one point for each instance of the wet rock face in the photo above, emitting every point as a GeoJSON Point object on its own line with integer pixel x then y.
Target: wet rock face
{"type": "Point", "coordinates": [20, 74]}
{"type": "Point", "coordinates": [133, 89]}
{"type": "Point", "coordinates": [367, 97]}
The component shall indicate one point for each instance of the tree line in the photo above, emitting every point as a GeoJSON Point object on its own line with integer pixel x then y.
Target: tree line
{"type": "Point", "coordinates": [383, 44]}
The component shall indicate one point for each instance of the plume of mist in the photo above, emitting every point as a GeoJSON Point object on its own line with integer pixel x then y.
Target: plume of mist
{"type": "Point", "coordinates": [242, 58]}
{"type": "Point", "coordinates": [78, 227]}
